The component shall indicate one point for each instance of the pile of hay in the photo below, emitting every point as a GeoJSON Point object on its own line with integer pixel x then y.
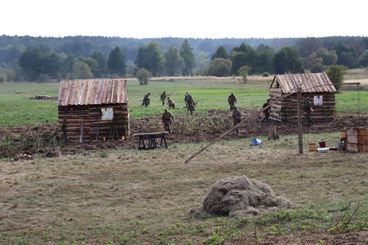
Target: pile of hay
{"type": "Point", "coordinates": [239, 196]}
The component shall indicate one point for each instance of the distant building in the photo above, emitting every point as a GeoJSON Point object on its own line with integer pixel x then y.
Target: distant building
{"type": "Point", "coordinates": [315, 86]}
{"type": "Point", "coordinates": [93, 110]}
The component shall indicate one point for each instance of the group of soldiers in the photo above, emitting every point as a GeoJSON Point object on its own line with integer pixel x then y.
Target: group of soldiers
{"type": "Point", "coordinates": [167, 118]}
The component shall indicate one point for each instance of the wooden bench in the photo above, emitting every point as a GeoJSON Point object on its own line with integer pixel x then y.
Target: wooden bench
{"type": "Point", "coordinates": [147, 141]}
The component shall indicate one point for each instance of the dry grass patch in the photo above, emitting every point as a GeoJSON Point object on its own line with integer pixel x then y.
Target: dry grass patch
{"type": "Point", "coordinates": [130, 196]}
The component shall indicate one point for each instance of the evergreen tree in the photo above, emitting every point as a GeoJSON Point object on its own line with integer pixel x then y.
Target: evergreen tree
{"type": "Point", "coordinates": [116, 62]}
{"type": "Point", "coordinates": [173, 62]}
{"type": "Point", "coordinates": [287, 60]}
{"type": "Point", "coordinates": [186, 52]}
{"type": "Point", "coordinates": [99, 68]}
{"type": "Point", "coordinates": [220, 53]}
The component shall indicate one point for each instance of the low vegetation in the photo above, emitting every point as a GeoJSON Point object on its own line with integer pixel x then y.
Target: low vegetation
{"type": "Point", "coordinates": [137, 197]}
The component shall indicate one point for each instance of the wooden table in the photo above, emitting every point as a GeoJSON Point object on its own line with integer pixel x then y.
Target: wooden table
{"type": "Point", "coordinates": [147, 141]}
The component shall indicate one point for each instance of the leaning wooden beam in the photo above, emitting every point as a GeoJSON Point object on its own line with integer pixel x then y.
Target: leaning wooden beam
{"type": "Point", "coordinates": [256, 114]}
{"type": "Point", "coordinates": [223, 135]}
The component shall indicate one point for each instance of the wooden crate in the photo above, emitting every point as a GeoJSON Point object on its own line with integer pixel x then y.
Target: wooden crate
{"type": "Point", "coordinates": [352, 147]}
{"type": "Point", "coordinates": [363, 148]}
{"type": "Point", "coordinates": [312, 147]}
{"type": "Point", "coordinates": [343, 134]}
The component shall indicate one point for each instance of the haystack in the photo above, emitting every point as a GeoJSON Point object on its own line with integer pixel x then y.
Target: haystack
{"type": "Point", "coordinates": [238, 196]}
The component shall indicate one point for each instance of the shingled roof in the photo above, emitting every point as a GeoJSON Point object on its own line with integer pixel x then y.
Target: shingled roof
{"type": "Point", "coordinates": [92, 92]}
{"type": "Point", "coordinates": [309, 82]}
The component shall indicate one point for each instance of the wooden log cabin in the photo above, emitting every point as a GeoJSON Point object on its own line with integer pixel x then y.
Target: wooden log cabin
{"type": "Point", "coordinates": [93, 110]}
{"type": "Point", "coordinates": [316, 86]}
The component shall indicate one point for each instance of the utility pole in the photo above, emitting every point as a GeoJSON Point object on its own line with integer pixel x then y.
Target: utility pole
{"type": "Point", "coordinates": [300, 127]}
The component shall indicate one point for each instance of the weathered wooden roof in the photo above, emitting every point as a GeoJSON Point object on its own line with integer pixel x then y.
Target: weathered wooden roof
{"type": "Point", "coordinates": [92, 92]}
{"type": "Point", "coordinates": [309, 82]}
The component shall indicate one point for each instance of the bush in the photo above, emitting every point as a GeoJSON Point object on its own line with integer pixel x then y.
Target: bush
{"type": "Point", "coordinates": [336, 74]}
{"type": "Point", "coordinates": [143, 75]}
{"type": "Point", "coordinates": [219, 67]}
{"type": "Point", "coordinates": [243, 71]}
{"type": "Point", "coordinates": [3, 77]}
{"type": "Point", "coordinates": [265, 74]}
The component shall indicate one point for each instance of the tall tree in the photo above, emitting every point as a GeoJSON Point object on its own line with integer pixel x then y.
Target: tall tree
{"type": "Point", "coordinates": [363, 59]}
{"type": "Point", "coordinates": [150, 58]}
{"type": "Point", "coordinates": [336, 74]}
{"type": "Point", "coordinates": [40, 63]}
{"type": "Point", "coordinates": [264, 61]}
{"type": "Point", "coordinates": [116, 62]}
{"type": "Point", "coordinates": [99, 68]}
{"type": "Point", "coordinates": [287, 60]}
{"type": "Point", "coordinates": [186, 52]}
{"type": "Point", "coordinates": [153, 58]}
{"type": "Point", "coordinates": [220, 53]}
{"type": "Point", "coordinates": [173, 62]}
{"type": "Point", "coordinates": [241, 56]}
{"type": "Point", "coordinates": [329, 57]}
{"type": "Point", "coordinates": [81, 70]}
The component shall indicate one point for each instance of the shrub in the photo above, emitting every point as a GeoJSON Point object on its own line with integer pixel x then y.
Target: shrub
{"type": "Point", "coordinates": [219, 67]}
{"type": "Point", "coordinates": [143, 75]}
{"type": "Point", "coordinates": [336, 74]}
{"type": "Point", "coordinates": [243, 71]}
{"type": "Point", "coordinates": [3, 77]}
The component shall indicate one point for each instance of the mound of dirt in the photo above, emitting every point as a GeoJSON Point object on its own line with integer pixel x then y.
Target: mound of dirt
{"type": "Point", "coordinates": [239, 196]}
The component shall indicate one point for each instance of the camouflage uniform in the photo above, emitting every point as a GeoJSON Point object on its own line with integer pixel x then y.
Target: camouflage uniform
{"type": "Point", "coordinates": [167, 119]}
{"type": "Point", "coordinates": [189, 103]}
{"type": "Point", "coordinates": [171, 103]}
{"type": "Point", "coordinates": [308, 111]}
{"type": "Point", "coordinates": [163, 97]}
{"type": "Point", "coordinates": [231, 100]}
{"type": "Point", "coordinates": [146, 100]}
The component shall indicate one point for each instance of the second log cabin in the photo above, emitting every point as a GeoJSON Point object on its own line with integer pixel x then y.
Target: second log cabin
{"type": "Point", "coordinates": [316, 86]}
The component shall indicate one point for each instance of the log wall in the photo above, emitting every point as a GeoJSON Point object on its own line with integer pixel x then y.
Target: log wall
{"type": "Point", "coordinates": [83, 124]}
{"type": "Point", "coordinates": [286, 109]}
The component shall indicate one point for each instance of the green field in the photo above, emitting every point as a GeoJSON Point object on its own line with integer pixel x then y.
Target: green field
{"type": "Point", "coordinates": [17, 108]}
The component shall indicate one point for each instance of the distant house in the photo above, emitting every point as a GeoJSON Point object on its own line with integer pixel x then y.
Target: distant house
{"type": "Point", "coordinates": [316, 86]}
{"type": "Point", "coordinates": [93, 110]}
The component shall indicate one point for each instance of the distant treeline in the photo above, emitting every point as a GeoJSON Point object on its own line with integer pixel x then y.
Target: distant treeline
{"type": "Point", "coordinates": [25, 58]}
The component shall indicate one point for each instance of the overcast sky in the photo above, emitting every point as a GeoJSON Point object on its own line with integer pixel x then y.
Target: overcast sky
{"type": "Point", "coordinates": [184, 18]}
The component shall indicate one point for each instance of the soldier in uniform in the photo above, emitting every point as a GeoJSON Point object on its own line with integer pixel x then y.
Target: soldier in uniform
{"type": "Point", "coordinates": [236, 118]}
{"type": "Point", "coordinates": [308, 111]}
{"type": "Point", "coordinates": [163, 97]}
{"type": "Point", "coordinates": [171, 103]}
{"type": "Point", "coordinates": [146, 100]}
{"type": "Point", "coordinates": [231, 100]}
{"type": "Point", "coordinates": [189, 103]}
{"type": "Point", "coordinates": [266, 112]}
{"type": "Point", "coordinates": [167, 119]}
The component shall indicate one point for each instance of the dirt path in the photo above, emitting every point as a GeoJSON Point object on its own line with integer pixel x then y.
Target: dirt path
{"type": "Point", "coordinates": [186, 129]}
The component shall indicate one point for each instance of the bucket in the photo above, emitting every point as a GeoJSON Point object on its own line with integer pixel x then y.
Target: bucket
{"type": "Point", "coordinates": [255, 141]}
{"type": "Point", "coordinates": [323, 149]}
{"type": "Point", "coordinates": [312, 147]}
{"type": "Point", "coordinates": [322, 144]}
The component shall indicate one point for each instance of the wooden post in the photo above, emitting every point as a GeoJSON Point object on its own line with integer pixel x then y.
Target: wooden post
{"type": "Point", "coordinates": [300, 127]}
{"type": "Point", "coordinates": [358, 100]}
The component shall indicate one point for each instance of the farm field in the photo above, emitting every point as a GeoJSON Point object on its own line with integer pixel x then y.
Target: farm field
{"type": "Point", "coordinates": [18, 109]}
{"type": "Point", "coordinates": [133, 197]}
{"type": "Point", "coordinates": [115, 194]}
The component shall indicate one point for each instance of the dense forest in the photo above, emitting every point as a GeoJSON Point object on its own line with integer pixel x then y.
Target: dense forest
{"type": "Point", "coordinates": [26, 58]}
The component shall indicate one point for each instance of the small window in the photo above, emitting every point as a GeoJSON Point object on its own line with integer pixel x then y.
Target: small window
{"type": "Point", "coordinates": [107, 113]}
{"type": "Point", "coordinates": [318, 100]}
